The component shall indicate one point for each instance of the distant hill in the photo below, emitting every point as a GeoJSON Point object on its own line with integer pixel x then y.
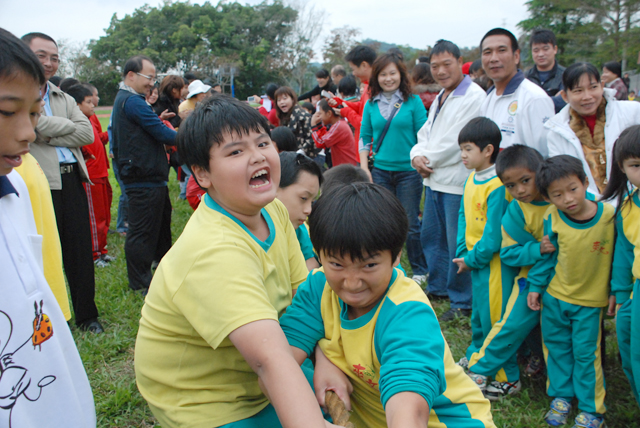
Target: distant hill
{"type": "Point", "coordinates": [384, 46]}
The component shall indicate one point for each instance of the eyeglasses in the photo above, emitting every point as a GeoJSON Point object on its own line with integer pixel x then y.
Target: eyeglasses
{"type": "Point", "coordinates": [152, 79]}
{"type": "Point", "coordinates": [53, 59]}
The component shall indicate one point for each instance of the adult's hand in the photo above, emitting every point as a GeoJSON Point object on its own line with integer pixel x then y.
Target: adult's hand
{"type": "Point", "coordinates": [420, 164]}
{"type": "Point", "coordinates": [166, 115]}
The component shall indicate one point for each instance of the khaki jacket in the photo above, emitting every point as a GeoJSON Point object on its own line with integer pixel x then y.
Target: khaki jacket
{"type": "Point", "coordinates": [68, 127]}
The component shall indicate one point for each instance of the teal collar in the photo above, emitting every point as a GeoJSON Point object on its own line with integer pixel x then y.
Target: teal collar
{"type": "Point", "coordinates": [363, 320]}
{"type": "Point", "coordinates": [539, 203]}
{"type": "Point", "coordinates": [586, 225]}
{"type": "Point", "coordinates": [636, 198]}
{"type": "Point", "coordinates": [272, 231]}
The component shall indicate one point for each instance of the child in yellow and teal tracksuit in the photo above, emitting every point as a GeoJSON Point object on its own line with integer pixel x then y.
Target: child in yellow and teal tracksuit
{"type": "Point", "coordinates": [484, 202]}
{"type": "Point", "coordinates": [574, 284]}
{"type": "Point", "coordinates": [522, 231]}
{"type": "Point", "coordinates": [373, 323]}
{"type": "Point", "coordinates": [625, 276]}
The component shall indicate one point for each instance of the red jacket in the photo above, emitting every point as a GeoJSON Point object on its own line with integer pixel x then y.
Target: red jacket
{"type": "Point", "coordinates": [97, 167]}
{"type": "Point", "coordinates": [356, 107]}
{"type": "Point", "coordinates": [340, 140]}
{"type": "Point", "coordinates": [271, 115]}
{"type": "Point", "coordinates": [104, 136]}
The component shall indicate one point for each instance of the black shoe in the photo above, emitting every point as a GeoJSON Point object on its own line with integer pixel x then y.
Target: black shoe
{"type": "Point", "coordinates": [436, 297]}
{"type": "Point", "coordinates": [92, 326]}
{"type": "Point", "coordinates": [454, 313]}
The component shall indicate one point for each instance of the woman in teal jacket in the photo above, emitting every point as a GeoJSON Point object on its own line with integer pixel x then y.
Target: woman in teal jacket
{"type": "Point", "coordinates": [390, 90]}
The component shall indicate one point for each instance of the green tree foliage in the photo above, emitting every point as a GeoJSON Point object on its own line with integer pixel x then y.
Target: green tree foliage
{"type": "Point", "coordinates": [182, 37]}
{"type": "Point", "coordinates": [337, 45]}
{"type": "Point", "coordinates": [587, 30]}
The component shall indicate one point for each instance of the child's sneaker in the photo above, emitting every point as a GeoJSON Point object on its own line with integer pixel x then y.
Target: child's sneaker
{"type": "Point", "coordinates": [558, 413]}
{"type": "Point", "coordinates": [498, 390]}
{"type": "Point", "coordinates": [587, 420]}
{"type": "Point", "coordinates": [479, 380]}
{"type": "Point", "coordinates": [464, 363]}
{"type": "Point", "coordinates": [535, 366]}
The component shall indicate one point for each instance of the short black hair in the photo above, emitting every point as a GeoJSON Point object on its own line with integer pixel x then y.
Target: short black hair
{"type": "Point", "coordinates": [134, 64]}
{"type": "Point", "coordinates": [68, 82]}
{"type": "Point", "coordinates": [292, 164]}
{"type": "Point", "coordinates": [213, 119]}
{"type": "Point", "coordinates": [482, 132]}
{"type": "Point", "coordinates": [360, 54]}
{"type": "Point", "coordinates": [359, 220]}
{"type": "Point", "coordinates": [475, 66]}
{"type": "Point", "coordinates": [424, 59]}
{"type": "Point", "coordinates": [614, 67]}
{"type": "Point", "coordinates": [322, 73]}
{"type": "Point", "coordinates": [342, 175]}
{"type": "Point", "coordinates": [16, 58]}
{"type": "Point", "coordinates": [285, 139]}
{"type": "Point", "coordinates": [516, 156]}
{"type": "Point", "coordinates": [308, 107]}
{"type": "Point", "coordinates": [271, 89]}
{"type": "Point", "coordinates": [325, 107]}
{"type": "Point", "coordinates": [90, 87]}
{"type": "Point", "coordinates": [79, 93]}
{"type": "Point", "coordinates": [558, 167]}
{"type": "Point", "coordinates": [348, 86]}
{"type": "Point", "coordinates": [542, 36]}
{"type": "Point", "coordinates": [56, 80]}
{"type": "Point", "coordinates": [571, 76]}
{"type": "Point", "coordinates": [27, 38]}
{"type": "Point", "coordinates": [189, 76]}
{"type": "Point", "coordinates": [215, 85]}
{"type": "Point", "coordinates": [443, 46]}
{"type": "Point", "coordinates": [501, 32]}
{"type": "Point", "coordinates": [339, 70]}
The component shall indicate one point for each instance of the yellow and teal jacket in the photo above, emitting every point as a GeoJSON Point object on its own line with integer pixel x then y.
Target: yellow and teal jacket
{"type": "Point", "coordinates": [626, 258]}
{"type": "Point", "coordinates": [578, 271]}
{"type": "Point", "coordinates": [395, 347]}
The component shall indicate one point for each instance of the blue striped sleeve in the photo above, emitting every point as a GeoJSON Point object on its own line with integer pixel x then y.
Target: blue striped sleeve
{"type": "Point", "coordinates": [491, 241]}
{"type": "Point", "coordinates": [621, 273]}
{"type": "Point", "coordinates": [302, 322]}
{"type": "Point", "coordinates": [410, 347]}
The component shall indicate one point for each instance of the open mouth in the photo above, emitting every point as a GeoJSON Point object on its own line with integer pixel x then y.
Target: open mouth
{"type": "Point", "coordinates": [260, 179]}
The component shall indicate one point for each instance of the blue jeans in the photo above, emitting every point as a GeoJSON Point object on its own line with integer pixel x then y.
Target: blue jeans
{"type": "Point", "coordinates": [183, 184]}
{"type": "Point", "coordinates": [439, 237]}
{"type": "Point", "coordinates": [123, 203]}
{"type": "Point", "coordinates": [407, 186]}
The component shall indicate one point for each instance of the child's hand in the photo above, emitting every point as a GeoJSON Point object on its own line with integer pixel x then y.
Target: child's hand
{"type": "Point", "coordinates": [328, 377]}
{"type": "Point", "coordinates": [533, 301]}
{"type": "Point", "coordinates": [462, 266]}
{"type": "Point", "coordinates": [315, 119]}
{"type": "Point", "coordinates": [612, 306]}
{"type": "Point", "coordinates": [546, 246]}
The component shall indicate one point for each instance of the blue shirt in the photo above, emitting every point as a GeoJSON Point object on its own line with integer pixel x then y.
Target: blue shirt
{"type": "Point", "coordinates": [64, 153]}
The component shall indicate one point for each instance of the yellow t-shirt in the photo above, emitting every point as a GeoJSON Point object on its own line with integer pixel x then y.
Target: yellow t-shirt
{"type": "Point", "coordinates": [45, 216]}
{"type": "Point", "coordinates": [216, 277]}
{"type": "Point", "coordinates": [187, 105]}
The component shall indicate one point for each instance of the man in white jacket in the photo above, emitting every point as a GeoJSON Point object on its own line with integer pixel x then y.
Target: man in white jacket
{"type": "Point", "coordinates": [436, 157]}
{"type": "Point", "coordinates": [518, 106]}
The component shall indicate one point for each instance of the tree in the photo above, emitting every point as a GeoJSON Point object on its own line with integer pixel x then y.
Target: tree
{"type": "Point", "coordinates": [338, 44]}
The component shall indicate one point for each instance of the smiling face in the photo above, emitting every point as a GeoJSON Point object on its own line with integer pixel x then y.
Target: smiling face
{"type": "Point", "coordinates": [446, 70]}
{"type": "Point", "coordinates": [498, 59]}
{"type": "Point", "coordinates": [520, 183]}
{"type": "Point", "coordinates": [285, 103]}
{"type": "Point", "coordinates": [586, 96]}
{"type": "Point", "coordinates": [322, 81]}
{"type": "Point", "coordinates": [47, 53]}
{"type": "Point", "coordinates": [360, 284]}
{"type": "Point", "coordinates": [607, 76]}
{"type": "Point", "coordinates": [138, 82]}
{"type": "Point", "coordinates": [20, 105]}
{"type": "Point", "coordinates": [544, 55]}
{"type": "Point", "coordinates": [631, 168]}
{"type": "Point", "coordinates": [569, 194]}
{"type": "Point", "coordinates": [244, 173]}
{"type": "Point", "coordinates": [389, 78]}
{"type": "Point", "coordinates": [474, 158]}
{"type": "Point", "coordinates": [153, 96]}
{"type": "Point", "coordinates": [299, 196]}
{"type": "Point", "coordinates": [362, 71]}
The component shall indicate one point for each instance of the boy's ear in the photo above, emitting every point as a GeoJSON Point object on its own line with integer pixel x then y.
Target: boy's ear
{"type": "Point", "coordinates": [396, 263]}
{"type": "Point", "coordinates": [489, 150]}
{"type": "Point", "coordinates": [202, 176]}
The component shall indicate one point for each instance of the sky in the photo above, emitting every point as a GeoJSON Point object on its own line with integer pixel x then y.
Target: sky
{"type": "Point", "coordinates": [418, 23]}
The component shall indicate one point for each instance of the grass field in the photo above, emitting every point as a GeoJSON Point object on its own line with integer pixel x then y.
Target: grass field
{"type": "Point", "coordinates": [108, 357]}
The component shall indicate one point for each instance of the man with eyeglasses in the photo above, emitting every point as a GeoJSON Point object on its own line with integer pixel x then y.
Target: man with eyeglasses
{"type": "Point", "coordinates": [61, 131]}
{"type": "Point", "coordinates": [139, 137]}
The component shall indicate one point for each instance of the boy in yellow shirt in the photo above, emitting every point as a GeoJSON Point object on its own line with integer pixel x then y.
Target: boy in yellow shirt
{"type": "Point", "coordinates": [373, 323]}
{"type": "Point", "coordinates": [209, 336]}
{"type": "Point", "coordinates": [573, 282]}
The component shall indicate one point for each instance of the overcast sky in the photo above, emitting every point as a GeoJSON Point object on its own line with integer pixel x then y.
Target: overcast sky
{"type": "Point", "coordinates": [418, 23]}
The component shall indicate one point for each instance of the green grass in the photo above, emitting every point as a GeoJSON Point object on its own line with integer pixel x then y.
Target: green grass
{"type": "Point", "coordinates": [108, 357]}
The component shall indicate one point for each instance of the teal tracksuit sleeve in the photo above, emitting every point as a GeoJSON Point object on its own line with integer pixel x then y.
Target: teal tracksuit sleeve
{"type": "Point", "coordinates": [302, 323]}
{"type": "Point", "coordinates": [543, 271]}
{"type": "Point", "coordinates": [410, 348]}
{"type": "Point", "coordinates": [366, 130]}
{"type": "Point", "coordinates": [305, 242]}
{"type": "Point", "coordinates": [461, 249]}
{"type": "Point", "coordinates": [491, 241]}
{"type": "Point", "coordinates": [621, 273]}
{"type": "Point", "coordinates": [526, 251]}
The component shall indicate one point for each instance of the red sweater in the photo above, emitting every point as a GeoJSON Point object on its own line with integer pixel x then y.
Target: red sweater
{"type": "Point", "coordinates": [104, 136]}
{"type": "Point", "coordinates": [97, 167]}
{"type": "Point", "coordinates": [354, 110]}
{"type": "Point", "coordinates": [340, 140]}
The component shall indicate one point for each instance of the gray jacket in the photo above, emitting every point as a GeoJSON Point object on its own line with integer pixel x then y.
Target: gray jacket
{"type": "Point", "coordinates": [68, 127]}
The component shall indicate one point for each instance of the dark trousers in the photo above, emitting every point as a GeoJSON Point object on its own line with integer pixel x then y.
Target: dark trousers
{"type": "Point", "coordinates": [72, 218]}
{"type": "Point", "coordinates": [149, 235]}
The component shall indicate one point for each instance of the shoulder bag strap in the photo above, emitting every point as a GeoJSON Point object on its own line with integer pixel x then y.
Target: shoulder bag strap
{"type": "Point", "coordinates": [396, 107]}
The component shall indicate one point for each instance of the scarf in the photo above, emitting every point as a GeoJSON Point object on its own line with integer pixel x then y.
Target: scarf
{"type": "Point", "coordinates": [593, 147]}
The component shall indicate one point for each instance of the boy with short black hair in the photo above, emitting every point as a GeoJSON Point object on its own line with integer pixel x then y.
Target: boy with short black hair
{"type": "Point", "coordinates": [341, 175]}
{"type": "Point", "coordinates": [209, 330]}
{"type": "Point", "coordinates": [97, 191]}
{"type": "Point", "coordinates": [523, 245]}
{"type": "Point", "coordinates": [330, 131]}
{"type": "Point", "coordinates": [574, 284]}
{"type": "Point", "coordinates": [484, 202]}
{"type": "Point", "coordinates": [373, 323]}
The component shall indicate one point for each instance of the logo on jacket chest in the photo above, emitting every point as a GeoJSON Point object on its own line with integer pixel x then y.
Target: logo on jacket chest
{"type": "Point", "coordinates": [366, 373]}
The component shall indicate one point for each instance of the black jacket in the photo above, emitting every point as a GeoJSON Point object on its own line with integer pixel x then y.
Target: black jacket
{"type": "Point", "coordinates": [164, 103]}
{"type": "Point", "coordinates": [329, 87]}
{"type": "Point", "coordinates": [551, 86]}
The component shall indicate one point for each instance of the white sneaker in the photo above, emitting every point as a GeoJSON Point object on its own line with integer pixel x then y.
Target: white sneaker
{"type": "Point", "coordinates": [464, 363]}
{"type": "Point", "coordinates": [420, 279]}
{"type": "Point", "coordinates": [479, 380]}
{"type": "Point", "coordinates": [497, 390]}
